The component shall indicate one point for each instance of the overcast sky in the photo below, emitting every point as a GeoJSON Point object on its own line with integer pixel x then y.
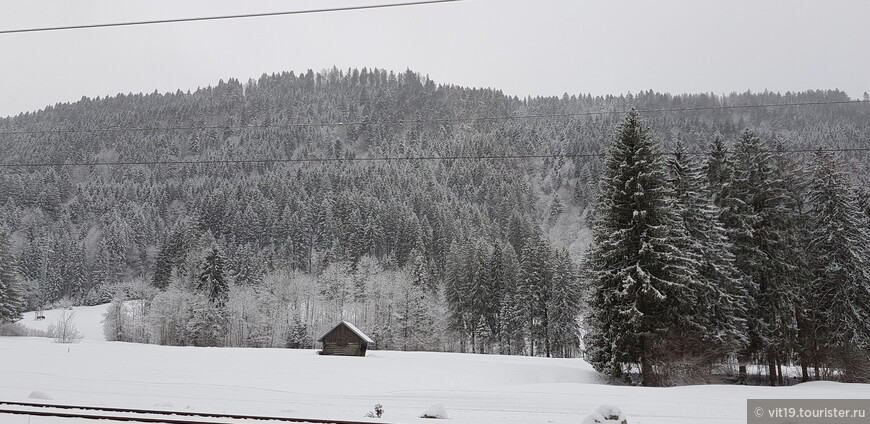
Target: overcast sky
{"type": "Point", "coordinates": [523, 47]}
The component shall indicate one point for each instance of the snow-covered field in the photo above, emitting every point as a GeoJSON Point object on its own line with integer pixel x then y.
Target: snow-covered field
{"type": "Point", "coordinates": [474, 389]}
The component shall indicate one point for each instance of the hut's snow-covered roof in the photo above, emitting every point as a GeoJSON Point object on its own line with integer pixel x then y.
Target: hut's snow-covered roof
{"type": "Point", "coordinates": [352, 328]}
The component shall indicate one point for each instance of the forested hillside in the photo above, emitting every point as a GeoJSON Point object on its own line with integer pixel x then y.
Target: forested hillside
{"type": "Point", "coordinates": [294, 200]}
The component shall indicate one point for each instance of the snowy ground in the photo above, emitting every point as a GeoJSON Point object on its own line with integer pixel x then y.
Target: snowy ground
{"type": "Point", "coordinates": [477, 389]}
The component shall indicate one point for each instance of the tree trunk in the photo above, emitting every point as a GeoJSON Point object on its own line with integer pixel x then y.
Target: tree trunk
{"type": "Point", "coordinates": [779, 372]}
{"type": "Point", "coordinates": [743, 358]}
{"type": "Point", "coordinates": [771, 368]}
{"type": "Point", "coordinates": [805, 375]}
{"type": "Point", "coordinates": [547, 348]}
{"type": "Point", "coordinates": [647, 374]}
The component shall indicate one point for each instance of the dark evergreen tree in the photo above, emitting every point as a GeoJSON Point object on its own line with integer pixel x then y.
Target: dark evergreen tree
{"type": "Point", "coordinates": [414, 323]}
{"type": "Point", "coordinates": [534, 279]}
{"type": "Point", "coordinates": [212, 281]}
{"type": "Point", "coordinates": [720, 321]}
{"type": "Point", "coordinates": [719, 170]}
{"type": "Point", "coordinates": [792, 223]}
{"type": "Point", "coordinates": [563, 308]}
{"type": "Point", "coordinates": [642, 278]}
{"type": "Point", "coordinates": [173, 253]}
{"type": "Point", "coordinates": [11, 301]}
{"type": "Point", "coordinates": [478, 287]}
{"type": "Point", "coordinates": [556, 207]}
{"type": "Point", "coordinates": [162, 269]}
{"type": "Point", "coordinates": [512, 309]}
{"type": "Point", "coordinates": [467, 291]}
{"type": "Point", "coordinates": [839, 297]}
{"type": "Point", "coordinates": [759, 219]}
{"type": "Point", "coordinates": [497, 281]}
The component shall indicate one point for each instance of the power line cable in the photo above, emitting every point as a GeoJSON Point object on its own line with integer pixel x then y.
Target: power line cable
{"type": "Point", "coordinates": [227, 17]}
{"type": "Point", "coordinates": [382, 159]}
{"type": "Point", "coordinates": [431, 120]}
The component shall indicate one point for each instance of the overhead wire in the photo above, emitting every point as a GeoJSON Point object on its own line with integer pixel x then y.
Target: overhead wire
{"type": "Point", "coordinates": [227, 17]}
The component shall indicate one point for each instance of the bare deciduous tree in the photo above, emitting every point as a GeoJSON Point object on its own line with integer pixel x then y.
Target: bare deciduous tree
{"type": "Point", "coordinates": [64, 329]}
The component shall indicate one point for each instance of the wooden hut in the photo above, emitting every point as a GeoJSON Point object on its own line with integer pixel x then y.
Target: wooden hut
{"type": "Point", "coordinates": [346, 340]}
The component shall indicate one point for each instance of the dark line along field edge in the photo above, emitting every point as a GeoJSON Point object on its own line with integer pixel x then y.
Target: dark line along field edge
{"type": "Point", "coordinates": [155, 412]}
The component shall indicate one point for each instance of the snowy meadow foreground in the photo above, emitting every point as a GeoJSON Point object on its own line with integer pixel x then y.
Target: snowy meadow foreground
{"type": "Point", "coordinates": [475, 389]}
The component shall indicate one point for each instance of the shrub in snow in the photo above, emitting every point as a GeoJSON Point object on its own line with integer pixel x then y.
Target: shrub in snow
{"type": "Point", "coordinates": [15, 329]}
{"type": "Point", "coordinates": [379, 410]}
{"type": "Point", "coordinates": [435, 411]}
{"type": "Point", "coordinates": [606, 414]}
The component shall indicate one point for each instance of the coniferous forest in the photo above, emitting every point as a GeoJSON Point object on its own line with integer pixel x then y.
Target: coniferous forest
{"type": "Point", "coordinates": [666, 238]}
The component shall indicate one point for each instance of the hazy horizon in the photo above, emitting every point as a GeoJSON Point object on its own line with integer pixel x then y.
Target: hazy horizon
{"type": "Point", "coordinates": [544, 48]}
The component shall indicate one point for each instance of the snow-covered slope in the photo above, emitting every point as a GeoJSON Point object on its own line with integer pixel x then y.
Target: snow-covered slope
{"type": "Point", "coordinates": [473, 388]}
{"type": "Point", "coordinates": [88, 320]}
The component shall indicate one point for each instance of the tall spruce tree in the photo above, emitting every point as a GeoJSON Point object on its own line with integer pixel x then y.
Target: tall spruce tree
{"type": "Point", "coordinates": [759, 215]}
{"type": "Point", "coordinates": [497, 281]}
{"type": "Point", "coordinates": [466, 290]}
{"type": "Point", "coordinates": [639, 272]}
{"type": "Point", "coordinates": [512, 340]}
{"type": "Point", "coordinates": [563, 307]}
{"type": "Point", "coordinates": [792, 224]}
{"type": "Point", "coordinates": [11, 302]}
{"type": "Point", "coordinates": [737, 219]}
{"type": "Point", "coordinates": [721, 319]}
{"type": "Point", "coordinates": [212, 279]}
{"type": "Point", "coordinates": [454, 290]}
{"type": "Point", "coordinates": [840, 289]}
{"type": "Point", "coordinates": [534, 278]}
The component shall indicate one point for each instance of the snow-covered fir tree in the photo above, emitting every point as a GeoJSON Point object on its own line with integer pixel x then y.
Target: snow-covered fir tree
{"type": "Point", "coordinates": [511, 308]}
{"type": "Point", "coordinates": [212, 280]}
{"type": "Point", "coordinates": [498, 280]}
{"type": "Point", "coordinates": [535, 276]}
{"type": "Point", "coordinates": [414, 321]}
{"type": "Point", "coordinates": [760, 215]}
{"type": "Point", "coordinates": [563, 307]}
{"type": "Point", "coordinates": [719, 289]}
{"type": "Point", "coordinates": [840, 288]}
{"type": "Point", "coordinates": [11, 302]}
{"type": "Point", "coordinates": [642, 278]}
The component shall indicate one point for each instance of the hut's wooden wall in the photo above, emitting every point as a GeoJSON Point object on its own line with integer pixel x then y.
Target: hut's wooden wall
{"type": "Point", "coordinates": [351, 349]}
{"type": "Point", "coordinates": [343, 341]}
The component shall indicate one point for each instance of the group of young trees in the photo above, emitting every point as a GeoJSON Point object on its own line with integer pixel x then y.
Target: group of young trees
{"type": "Point", "coordinates": [284, 309]}
{"type": "Point", "coordinates": [745, 257]}
{"type": "Point", "coordinates": [506, 303]}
